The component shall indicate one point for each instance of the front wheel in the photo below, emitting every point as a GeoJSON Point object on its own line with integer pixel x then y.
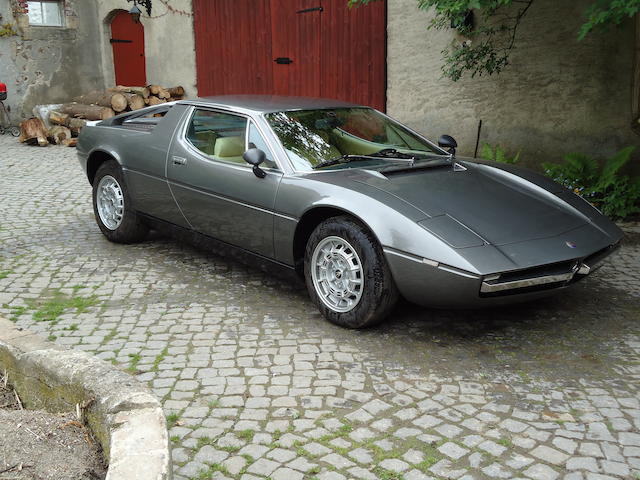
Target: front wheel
{"type": "Point", "coordinates": [347, 275]}
{"type": "Point", "coordinates": [112, 206]}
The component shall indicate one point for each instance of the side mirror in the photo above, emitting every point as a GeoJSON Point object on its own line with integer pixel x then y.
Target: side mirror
{"type": "Point", "coordinates": [448, 142]}
{"type": "Point", "coordinates": [255, 156]}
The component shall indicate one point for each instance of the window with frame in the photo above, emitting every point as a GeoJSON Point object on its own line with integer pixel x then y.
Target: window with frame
{"type": "Point", "coordinates": [46, 13]}
{"type": "Point", "coordinates": [218, 135]}
{"type": "Point", "coordinates": [145, 120]}
{"type": "Point", "coordinates": [256, 140]}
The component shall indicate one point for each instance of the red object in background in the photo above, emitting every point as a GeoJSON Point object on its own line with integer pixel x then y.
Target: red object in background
{"type": "Point", "coordinates": [3, 92]}
{"type": "Point", "coordinates": [295, 37]}
{"type": "Point", "coordinates": [292, 47]}
{"type": "Point", "coordinates": [127, 40]}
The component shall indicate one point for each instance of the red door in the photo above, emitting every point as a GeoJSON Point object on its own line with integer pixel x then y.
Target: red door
{"type": "Point", "coordinates": [127, 39]}
{"type": "Point", "coordinates": [315, 48]}
{"type": "Point", "coordinates": [233, 46]}
{"type": "Point", "coordinates": [295, 45]}
{"type": "Point", "coordinates": [354, 57]}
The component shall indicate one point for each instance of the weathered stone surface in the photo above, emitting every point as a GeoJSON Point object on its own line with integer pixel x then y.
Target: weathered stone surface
{"type": "Point", "coordinates": [248, 370]}
{"type": "Point", "coordinates": [508, 103]}
{"type": "Point", "coordinates": [124, 416]}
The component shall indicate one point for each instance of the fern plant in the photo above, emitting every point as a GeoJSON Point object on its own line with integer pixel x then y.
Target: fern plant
{"type": "Point", "coordinates": [497, 154]}
{"type": "Point", "coordinates": [616, 195]}
{"type": "Point", "coordinates": [7, 30]}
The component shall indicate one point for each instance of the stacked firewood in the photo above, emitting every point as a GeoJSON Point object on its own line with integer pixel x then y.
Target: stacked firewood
{"type": "Point", "coordinates": [69, 118]}
{"type": "Point", "coordinates": [100, 105]}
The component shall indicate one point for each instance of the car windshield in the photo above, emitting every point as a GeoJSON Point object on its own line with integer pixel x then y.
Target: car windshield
{"type": "Point", "coordinates": [361, 137]}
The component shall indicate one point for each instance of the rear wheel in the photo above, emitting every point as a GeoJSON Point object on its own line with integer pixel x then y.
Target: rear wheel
{"type": "Point", "coordinates": [347, 275]}
{"type": "Point", "coordinates": [112, 206]}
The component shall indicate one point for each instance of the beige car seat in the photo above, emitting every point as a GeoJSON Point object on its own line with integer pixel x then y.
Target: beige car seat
{"type": "Point", "coordinates": [229, 149]}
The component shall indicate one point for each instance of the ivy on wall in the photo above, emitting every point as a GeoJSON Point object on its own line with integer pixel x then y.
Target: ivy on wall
{"type": "Point", "coordinates": [488, 42]}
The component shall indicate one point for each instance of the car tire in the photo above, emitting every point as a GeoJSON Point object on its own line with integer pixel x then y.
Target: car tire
{"type": "Point", "coordinates": [112, 206]}
{"type": "Point", "coordinates": [347, 275]}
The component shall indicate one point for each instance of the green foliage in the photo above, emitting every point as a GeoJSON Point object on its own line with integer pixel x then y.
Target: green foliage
{"type": "Point", "coordinates": [133, 363]}
{"type": "Point", "coordinates": [497, 154]}
{"type": "Point", "coordinates": [159, 358]}
{"type": "Point", "coordinates": [477, 59]}
{"type": "Point", "coordinates": [489, 43]}
{"type": "Point", "coordinates": [604, 13]}
{"type": "Point", "coordinates": [172, 419]}
{"type": "Point", "coordinates": [616, 195]}
{"type": "Point", "coordinates": [211, 471]}
{"type": "Point", "coordinates": [7, 30]}
{"type": "Point", "coordinates": [50, 310]}
{"type": "Point", "coordinates": [246, 435]}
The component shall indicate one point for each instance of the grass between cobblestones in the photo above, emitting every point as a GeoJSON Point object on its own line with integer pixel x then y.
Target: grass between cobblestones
{"type": "Point", "coordinates": [544, 390]}
{"type": "Point", "coordinates": [209, 472]}
{"type": "Point", "coordinates": [429, 450]}
{"type": "Point", "coordinates": [50, 307]}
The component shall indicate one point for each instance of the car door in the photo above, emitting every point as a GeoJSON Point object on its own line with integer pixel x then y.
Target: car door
{"type": "Point", "coordinates": [144, 158]}
{"type": "Point", "coordinates": [215, 188]}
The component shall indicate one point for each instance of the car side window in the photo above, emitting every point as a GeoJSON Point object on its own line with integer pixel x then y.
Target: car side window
{"type": "Point", "coordinates": [220, 136]}
{"type": "Point", "coordinates": [256, 140]}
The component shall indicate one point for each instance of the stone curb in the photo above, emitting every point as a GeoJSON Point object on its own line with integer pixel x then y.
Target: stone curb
{"type": "Point", "coordinates": [124, 416]}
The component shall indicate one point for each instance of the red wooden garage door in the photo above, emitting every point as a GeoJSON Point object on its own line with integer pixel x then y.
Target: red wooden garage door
{"type": "Point", "coordinates": [292, 47]}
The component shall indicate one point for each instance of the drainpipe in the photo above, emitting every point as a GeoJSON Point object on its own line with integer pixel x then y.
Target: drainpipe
{"type": "Point", "coordinates": [635, 93]}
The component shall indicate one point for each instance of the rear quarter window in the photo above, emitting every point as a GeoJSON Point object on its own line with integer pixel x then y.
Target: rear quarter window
{"type": "Point", "coordinates": [147, 119]}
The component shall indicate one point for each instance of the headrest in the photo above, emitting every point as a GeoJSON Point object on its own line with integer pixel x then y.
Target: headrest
{"type": "Point", "coordinates": [229, 147]}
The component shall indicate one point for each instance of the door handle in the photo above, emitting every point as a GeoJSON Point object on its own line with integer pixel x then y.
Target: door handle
{"type": "Point", "coordinates": [314, 9]}
{"type": "Point", "coordinates": [179, 160]}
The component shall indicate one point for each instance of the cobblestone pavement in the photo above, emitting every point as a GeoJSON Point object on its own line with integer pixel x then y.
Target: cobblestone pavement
{"type": "Point", "coordinates": [255, 384]}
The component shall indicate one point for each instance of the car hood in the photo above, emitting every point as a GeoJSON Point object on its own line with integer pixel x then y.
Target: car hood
{"type": "Point", "coordinates": [498, 206]}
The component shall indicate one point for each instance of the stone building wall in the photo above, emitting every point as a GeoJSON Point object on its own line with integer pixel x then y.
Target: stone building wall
{"type": "Point", "coordinates": [558, 95]}
{"type": "Point", "coordinates": [53, 64]}
{"type": "Point", "coordinates": [47, 64]}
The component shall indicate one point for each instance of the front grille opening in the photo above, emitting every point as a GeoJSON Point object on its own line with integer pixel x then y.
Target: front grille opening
{"type": "Point", "coordinates": [541, 271]}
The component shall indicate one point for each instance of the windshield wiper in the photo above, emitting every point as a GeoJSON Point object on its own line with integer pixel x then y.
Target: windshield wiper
{"type": "Point", "coordinates": [393, 154]}
{"type": "Point", "coordinates": [386, 153]}
{"type": "Point", "coordinates": [337, 160]}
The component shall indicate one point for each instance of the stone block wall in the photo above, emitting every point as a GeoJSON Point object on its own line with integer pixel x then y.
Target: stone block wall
{"type": "Point", "coordinates": [49, 64]}
{"type": "Point", "coordinates": [559, 94]}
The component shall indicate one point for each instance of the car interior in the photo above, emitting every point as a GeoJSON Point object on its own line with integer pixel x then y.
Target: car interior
{"type": "Point", "coordinates": [218, 135]}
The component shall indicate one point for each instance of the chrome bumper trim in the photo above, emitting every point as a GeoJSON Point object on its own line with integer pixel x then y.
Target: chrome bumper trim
{"type": "Point", "coordinates": [528, 282]}
{"type": "Point", "coordinates": [431, 263]}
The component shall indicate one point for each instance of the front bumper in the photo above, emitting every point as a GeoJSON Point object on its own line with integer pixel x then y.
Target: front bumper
{"type": "Point", "coordinates": [435, 285]}
{"type": "Point", "coordinates": [544, 277]}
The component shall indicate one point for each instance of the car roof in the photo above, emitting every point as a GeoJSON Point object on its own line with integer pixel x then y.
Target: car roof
{"type": "Point", "coordinates": [269, 103]}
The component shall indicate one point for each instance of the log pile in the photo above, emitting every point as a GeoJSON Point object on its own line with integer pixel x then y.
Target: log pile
{"type": "Point", "coordinates": [68, 119]}
{"type": "Point", "coordinates": [34, 132]}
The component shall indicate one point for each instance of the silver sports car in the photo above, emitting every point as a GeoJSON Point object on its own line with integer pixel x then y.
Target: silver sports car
{"type": "Point", "coordinates": [360, 206]}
